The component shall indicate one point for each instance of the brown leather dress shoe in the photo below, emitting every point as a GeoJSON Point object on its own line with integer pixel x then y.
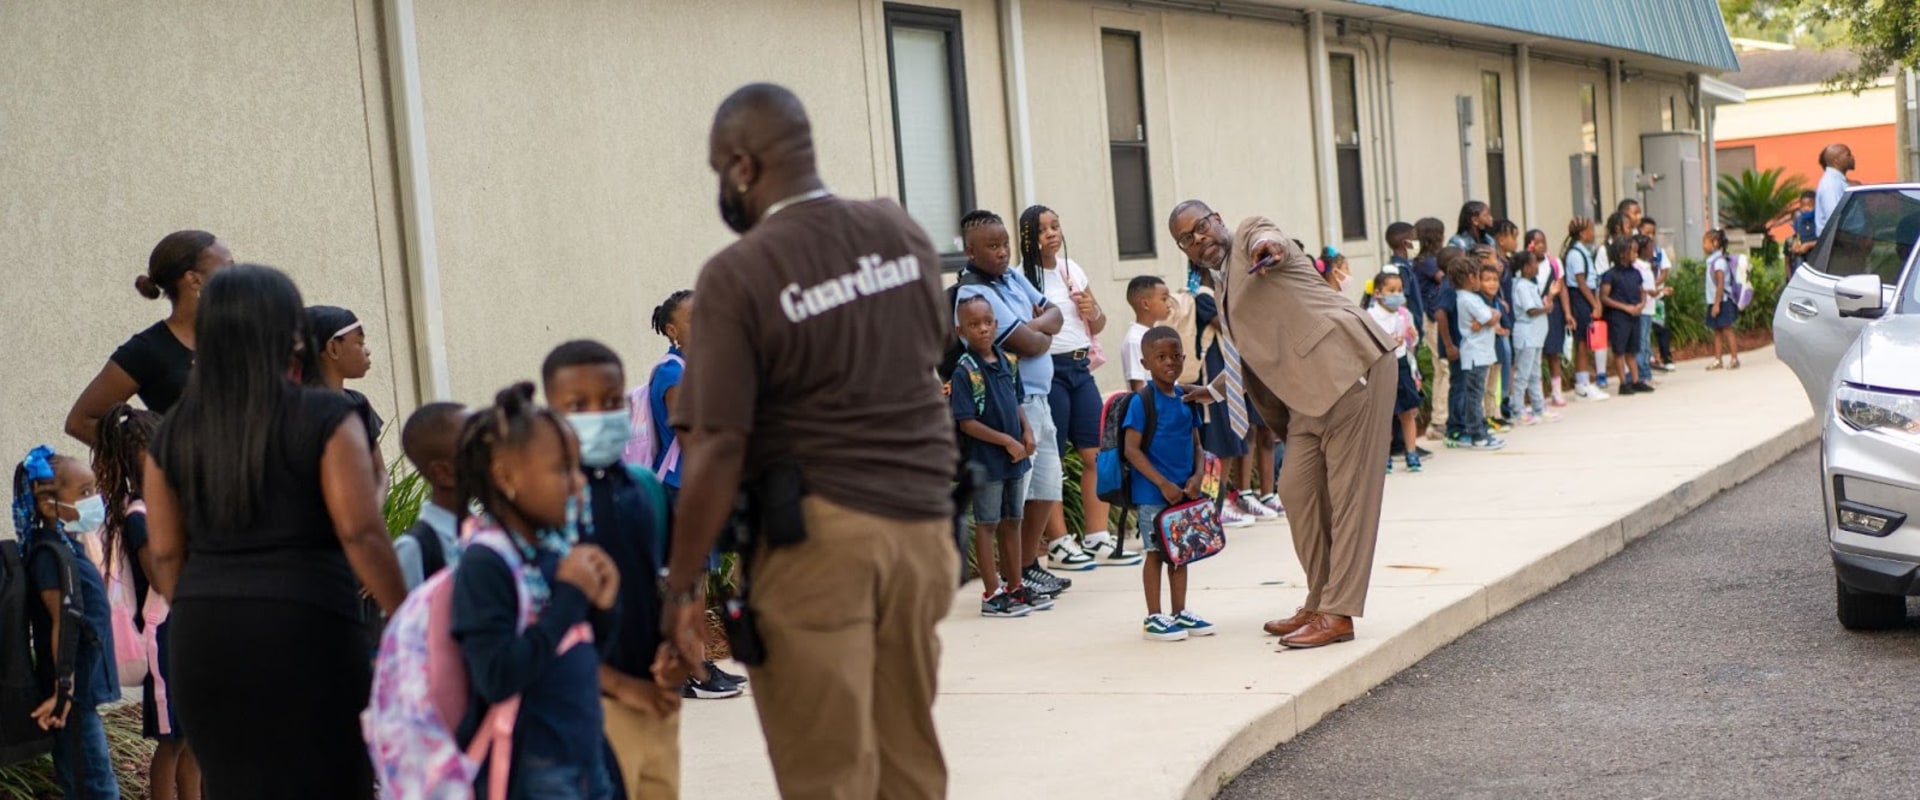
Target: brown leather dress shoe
{"type": "Point", "coordinates": [1282, 627]}
{"type": "Point", "coordinates": [1325, 629]}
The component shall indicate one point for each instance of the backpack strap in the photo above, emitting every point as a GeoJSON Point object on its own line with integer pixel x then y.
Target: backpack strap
{"type": "Point", "coordinates": [1153, 423]}
{"type": "Point", "coordinates": [976, 382]}
{"type": "Point", "coordinates": [73, 618]}
{"type": "Point", "coordinates": [433, 557]}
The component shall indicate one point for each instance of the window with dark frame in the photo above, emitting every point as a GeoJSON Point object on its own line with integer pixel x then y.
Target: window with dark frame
{"type": "Point", "coordinates": [1133, 222]}
{"type": "Point", "coordinates": [927, 78]}
{"type": "Point", "coordinates": [1346, 146]}
{"type": "Point", "coordinates": [1494, 121]}
{"type": "Point", "coordinates": [1590, 142]}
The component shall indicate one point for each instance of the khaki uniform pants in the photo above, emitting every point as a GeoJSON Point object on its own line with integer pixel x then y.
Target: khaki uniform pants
{"type": "Point", "coordinates": [646, 750]}
{"type": "Point", "coordinates": [1331, 483]}
{"type": "Point", "coordinates": [1438, 420]}
{"type": "Point", "coordinates": [846, 694]}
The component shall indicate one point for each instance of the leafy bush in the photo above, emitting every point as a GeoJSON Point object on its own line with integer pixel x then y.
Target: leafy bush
{"type": "Point", "coordinates": [405, 496]}
{"type": "Point", "coordinates": [1687, 306]}
{"type": "Point", "coordinates": [1750, 200]}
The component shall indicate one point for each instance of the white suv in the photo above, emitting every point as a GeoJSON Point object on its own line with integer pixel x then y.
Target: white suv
{"type": "Point", "coordinates": [1848, 324]}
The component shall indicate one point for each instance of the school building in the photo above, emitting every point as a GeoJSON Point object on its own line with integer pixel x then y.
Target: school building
{"type": "Point", "coordinates": [482, 179]}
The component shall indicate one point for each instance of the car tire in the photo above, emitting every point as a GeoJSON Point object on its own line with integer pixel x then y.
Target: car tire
{"type": "Point", "coordinates": [1867, 611]}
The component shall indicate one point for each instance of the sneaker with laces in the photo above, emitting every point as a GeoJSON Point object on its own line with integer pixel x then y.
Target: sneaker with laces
{"type": "Point", "coordinates": [1423, 452]}
{"type": "Point", "coordinates": [1110, 552]}
{"type": "Point", "coordinates": [1041, 579]}
{"type": "Point", "coordinates": [1250, 506]}
{"type": "Point", "coordinates": [1162, 628]}
{"type": "Point", "coordinates": [1527, 418]}
{"type": "Point", "coordinates": [1231, 517]}
{"type": "Point", "coordinates": [1193, 624]}
{"type": "Point", "coordinates": [713, 688]}
{"type": "Point", "coordinates": [1065, 554]}
{"type": "Point", "coordinates": [1025, 595]}
{"type": "Point", "coordinates": [714, 670]}
{"type": "Point", "coordinates": [1456, 440]}
{"type": "Point", "coordinates": [1002, 605]}
{"type": "Point", "coordinates": [1272, 501]}
{"type": "Point", "coordinates": [1549, 416]}
{"type": "Point", "coordinates": [1499, 424]}
{"type": "Point", "coordinates": [1489, 443]}
{"type": "Point", "coordinates": [1643, 387]}
{"type": "Point", "coordinates": [1413, 462]}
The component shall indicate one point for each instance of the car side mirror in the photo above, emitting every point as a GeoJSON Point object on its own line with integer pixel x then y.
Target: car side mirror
{"type": "Point", "coordinates": [1859, 296]}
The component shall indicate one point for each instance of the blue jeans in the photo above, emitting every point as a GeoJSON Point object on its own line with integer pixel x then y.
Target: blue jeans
{"type": "Point", "coordinates": [1473, 387]}
{"type": "Point", "coordinates": [1459, 412]}
{"type": "Point", "coordinates": [1503, 351]}
{"type": "Point", "coordinates": [1646, 346]}
{"type": "Point", "coordinates": [541, 779]}
{"type": "Point", "coordinates": [84, 743]}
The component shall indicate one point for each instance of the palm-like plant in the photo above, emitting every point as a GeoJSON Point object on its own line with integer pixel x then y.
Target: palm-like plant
{"type": "Point", "coordinates": [1751, 200]}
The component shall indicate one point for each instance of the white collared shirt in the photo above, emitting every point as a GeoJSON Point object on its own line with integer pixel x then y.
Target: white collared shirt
{"type": "Point", "coordinates": [1833, 186]}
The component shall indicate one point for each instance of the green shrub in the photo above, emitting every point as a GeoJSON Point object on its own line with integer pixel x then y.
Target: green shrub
{"type": "Point", "coordinates": [1769, 279]}
{"type": "Point", "coordinates": [405, 496]}
{"type": "Point", "coordinates": [1750, 200]}
{"type": "Point", "coordinates": [1687, 306]}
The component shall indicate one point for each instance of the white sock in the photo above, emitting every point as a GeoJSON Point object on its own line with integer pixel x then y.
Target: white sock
{"type": "Point", "coordinates": [1094, 539]}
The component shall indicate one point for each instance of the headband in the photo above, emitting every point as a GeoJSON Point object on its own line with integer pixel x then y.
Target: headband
{"type": "Point", "coordinates": [38, 466]}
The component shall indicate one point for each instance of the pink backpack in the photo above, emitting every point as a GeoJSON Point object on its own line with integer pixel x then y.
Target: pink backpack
{"type": "Point", "coordinates": [643, 449]}
{"type": "Point", "coordinates": [129, 647]}
{"type": "Point", "coordinates": [420, 693]}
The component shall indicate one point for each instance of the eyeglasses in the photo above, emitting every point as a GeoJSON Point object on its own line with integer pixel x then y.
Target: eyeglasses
{"type": "Point", "coordinates": [1185, 240]}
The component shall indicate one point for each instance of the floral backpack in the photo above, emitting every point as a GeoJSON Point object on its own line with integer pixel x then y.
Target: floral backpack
{"type": "Point", "coordinates": [420, 692]}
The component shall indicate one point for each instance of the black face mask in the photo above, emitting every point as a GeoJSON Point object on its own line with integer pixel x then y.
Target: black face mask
{"type": "Point", "coordinates": [734, 213]}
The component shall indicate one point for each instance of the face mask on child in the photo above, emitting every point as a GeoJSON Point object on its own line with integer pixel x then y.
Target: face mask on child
{"type": "Point", "coordinates": [93, 514]}
{"type": "Point", "coordinates": [603, 436]}
{"type": "Point", "coordinates": [1394, 301]}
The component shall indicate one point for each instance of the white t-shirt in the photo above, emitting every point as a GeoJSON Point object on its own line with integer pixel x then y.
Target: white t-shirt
{"type": "Point", "coordinates": [1073, 330]}
{"type": "Point", "coordinates": [1395, 325]}
{"type": "Point", "coordinates": [1130, 354]}
{"type": "Point", "coordinates": [1646, 279]}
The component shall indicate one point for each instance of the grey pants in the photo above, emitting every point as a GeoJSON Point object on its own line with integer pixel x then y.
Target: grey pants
{"type": "Point", "coordinates": [1525, 391]}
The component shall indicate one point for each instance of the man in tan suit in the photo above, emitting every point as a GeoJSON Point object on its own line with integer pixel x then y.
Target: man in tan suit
{"type": "Point", "coordinates": [1322, 373]}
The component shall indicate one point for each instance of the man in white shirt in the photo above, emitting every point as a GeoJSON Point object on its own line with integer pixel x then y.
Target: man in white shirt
{"type": "Point", "coordinates": [1837, 161]}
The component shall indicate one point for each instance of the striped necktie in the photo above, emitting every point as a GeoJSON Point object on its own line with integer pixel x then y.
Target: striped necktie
{"type": "Point", "coordinates": [1236, 391]}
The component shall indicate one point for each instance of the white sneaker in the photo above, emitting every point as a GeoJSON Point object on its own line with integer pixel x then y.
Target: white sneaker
{"type": "Point", "coordinates": [1065, 554]}
{"type": "Point", "coordinates": [1231, 517]}
{"type": "Point", "coordinates": [1109, 552]}
{"type": "Point", "coordinates": [1251, 506]}
{"type": "Point", "coordinates": [1590, 392]}
{"type": "Point", "coordinates": [1272, 501]}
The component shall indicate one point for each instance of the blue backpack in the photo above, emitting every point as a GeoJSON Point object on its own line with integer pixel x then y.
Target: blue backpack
{"type": "Point", "coordinates": [1114, 476]}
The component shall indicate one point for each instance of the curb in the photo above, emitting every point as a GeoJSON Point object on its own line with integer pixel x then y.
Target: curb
{"type": "Point", "coordinates": [1300, 712]}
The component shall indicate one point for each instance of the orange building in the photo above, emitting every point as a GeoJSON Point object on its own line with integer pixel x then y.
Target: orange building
{"type": "Point", "coordinates": [1790, 116]}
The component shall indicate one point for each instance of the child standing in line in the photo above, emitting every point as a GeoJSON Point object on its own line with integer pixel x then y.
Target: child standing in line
{"type": "Point", "coordinates": [1152, 304]}
{"type": "Point", "coordinates": [1645, 254]}
{"type": "Point", "coordinates": [1661, 342]}
{"type": "Point", "coordinates": [55, 501]}
{"type": "Point", "coordinates": [1551, 280]}
{"type": "Point", "coordinates": [119, 454]}
{"type": "Point", "coordinates": [999, 438]}
{"type": "Point", "coordinates": [1166, 470]}
{"type": "Point", "coordinates": [1455, 265]}
{"type": "Point", "coordinates": [1529, 338]}
{"type": "Point", "coordinates": [1624, 294]}
{"type": "Point", "coordinates": [1389, 309]}
{"type": "Point", "coordinates": [1478, 292]}
{"type": "Point", "coordinates": [430, 439]}
{"type": "Point", "coordinates": [521, 463]}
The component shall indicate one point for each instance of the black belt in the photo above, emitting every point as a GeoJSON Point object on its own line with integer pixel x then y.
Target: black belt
{"type": "Point", "coordinates": [1077, 355]}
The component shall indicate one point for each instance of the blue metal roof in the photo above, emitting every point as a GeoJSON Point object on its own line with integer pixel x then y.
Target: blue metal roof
{"type": "Point", "coordinates": [1688, 31]}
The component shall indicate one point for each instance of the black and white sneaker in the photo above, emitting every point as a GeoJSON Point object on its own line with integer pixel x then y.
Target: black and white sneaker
{"type": "Point", "coordinates": [1002, 605]}
{"type": "Point", "coordinates": [1044, 581]}
{"type": "Point", "coordinates": [713, 688]}
{"type": "Point", "coordinates": [714, 671]}
{"type": "Point", "coordinates": [1025, 595]}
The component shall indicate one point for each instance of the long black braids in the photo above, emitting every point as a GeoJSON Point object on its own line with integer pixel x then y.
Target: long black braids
{"type": "Point", "coordinates": [119, 447]}
{"type": "Point", "coordinates": [508, 424]}
{"type": "Point", "coordinates": [663, 313]}
{"type": "Point", "coordinates": [1029, 231]}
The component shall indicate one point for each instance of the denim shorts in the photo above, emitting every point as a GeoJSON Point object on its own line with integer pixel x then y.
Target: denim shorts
{"type": "Point", "coordinates": [1044, 479]}
{"type": "Point", "coordinates": [1149, 531]}
{"type": "Point", "coordinates": [995, 501]}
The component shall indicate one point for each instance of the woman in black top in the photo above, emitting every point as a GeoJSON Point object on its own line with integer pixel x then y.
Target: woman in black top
{"type": "Point", "coordinates": [263, 522]}
{"type": "Point", "coordinates": [154, 363]}
{"type": "Point", "coordinates": [336, 353]}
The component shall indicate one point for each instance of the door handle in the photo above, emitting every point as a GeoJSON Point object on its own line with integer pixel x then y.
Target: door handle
{"type": "Point", "coordinates": [1803, 309]}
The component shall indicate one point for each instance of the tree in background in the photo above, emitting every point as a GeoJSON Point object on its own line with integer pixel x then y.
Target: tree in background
{"type": "Point", "coordinates": [1884, 33]}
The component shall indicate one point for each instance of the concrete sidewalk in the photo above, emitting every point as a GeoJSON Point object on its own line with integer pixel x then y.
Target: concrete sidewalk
{"type": "Point", "coordinates": [1073, 703]}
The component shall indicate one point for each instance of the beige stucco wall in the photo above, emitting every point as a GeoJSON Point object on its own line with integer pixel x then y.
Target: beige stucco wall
{"type": "Point", "coordinates": [1557, 137]}
{"type": "Point", "coordinates": [125, 122]}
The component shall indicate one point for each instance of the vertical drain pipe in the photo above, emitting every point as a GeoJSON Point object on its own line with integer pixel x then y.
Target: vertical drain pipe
{"type": "Point", "coordinates": [1523, 86]}
{"type": "Point", "coordinates": [1013, 46]}
{"type": "Point", "coordinates": [416, 204]}
{"type": "Point", "coordinates": [1322, 96]}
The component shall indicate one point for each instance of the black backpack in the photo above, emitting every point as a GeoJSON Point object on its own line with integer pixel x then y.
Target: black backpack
{"type": "Point", "coordinates": [24, 681]}
{"type": "Point", "coordinates": [432, 557]}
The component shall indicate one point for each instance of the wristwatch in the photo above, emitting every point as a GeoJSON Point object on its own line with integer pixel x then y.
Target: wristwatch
{"type": "Point", "coordinates": [681, 598]}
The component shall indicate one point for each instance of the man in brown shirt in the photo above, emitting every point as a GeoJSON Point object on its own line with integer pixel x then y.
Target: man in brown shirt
{"type": "Point", "coordinates": [820, 331]}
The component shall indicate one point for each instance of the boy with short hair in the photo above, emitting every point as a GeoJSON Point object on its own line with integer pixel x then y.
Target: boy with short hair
{"type": "Point", "coordinates": [1477, 291]}
{"type": "Point", "coordinates": [997, 437]}
{"type": "Point", "coordinates": [1166, 471]}
{"type": "Point", "coordinates": [430, 438]}
{"type": "Point", "coordinates": [586, 381]}
{"type": "Point", "coordinates": [1152, 303]}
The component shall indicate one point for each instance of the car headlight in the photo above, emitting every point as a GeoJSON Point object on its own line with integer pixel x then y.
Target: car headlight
{"type": "Point", "coordinates": [1873, 410]}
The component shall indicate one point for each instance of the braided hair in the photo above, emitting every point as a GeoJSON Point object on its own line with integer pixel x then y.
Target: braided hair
{"type": "Point", "coordinates": [119, 447]}
{"type": "Point", "coordinates": [1029, 232]}
{"type": "Point", "coordinates": [663, 313]}
{"type": "Point", "coordinates": [1575, 227]}
{"type": "Point", "coordinates": [507, 425]}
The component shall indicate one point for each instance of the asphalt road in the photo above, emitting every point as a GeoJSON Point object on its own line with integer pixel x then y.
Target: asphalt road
{"type": "Point", "coordinates": [1704, 661]}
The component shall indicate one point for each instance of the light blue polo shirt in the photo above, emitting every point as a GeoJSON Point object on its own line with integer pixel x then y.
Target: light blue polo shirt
{"type": "Point", "coordinates": [1013, 298]}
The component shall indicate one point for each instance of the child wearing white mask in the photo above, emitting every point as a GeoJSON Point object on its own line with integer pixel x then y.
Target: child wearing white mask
{"type": "Point", "coordinates": [1389, 308]}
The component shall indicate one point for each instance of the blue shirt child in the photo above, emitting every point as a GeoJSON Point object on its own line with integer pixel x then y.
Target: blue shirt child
{"type": "Point", "coordinates": [1169, 446]}
{"type": "Point", "coordinates": [1476, 347]}
{"type": "Point", "coordinates": [986, 391]}
{"type": "Point", "coordinates": [96, 681]}
{"type": "Point", "coordinates": [1013, 299]}
{"type": "Point", "coordinates": [665, 376]}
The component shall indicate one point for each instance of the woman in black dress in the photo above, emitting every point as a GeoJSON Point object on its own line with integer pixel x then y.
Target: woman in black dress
{"type": "Point", "coordinates": [154, 363]}
{"type": "Point", "coordinates": [264, 521]}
